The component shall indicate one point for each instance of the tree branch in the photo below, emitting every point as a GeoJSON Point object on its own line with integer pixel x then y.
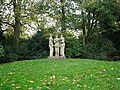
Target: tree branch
{"type": "Point", "coordinates": [8, 24]}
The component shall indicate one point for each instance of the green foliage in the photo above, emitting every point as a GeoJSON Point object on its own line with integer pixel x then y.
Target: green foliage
{"type": "Point", "coordinates": [35, 47]}
{"type": "Point", "coordinates": [99, 48]}
{"type": "Point", "coordinates": [23, 53]}
{"type": "Point", "coordinates": [75, 74]}
{"type": "Point", "coordinates": [10, 52]}
{"type": "Point", "coordinates": [38, 46]}
{"type": "Point", "coordinates": [114, 37]}
{"type": "Point", "coordinates": [74, 47]}
{"type": "Point", "coordinates": [1, 51]}
{"type": "Point", "coordinates": [106, 12]}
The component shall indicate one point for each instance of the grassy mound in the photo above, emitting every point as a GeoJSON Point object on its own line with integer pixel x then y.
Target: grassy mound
{"type": "Point", "coordinates": [68, 74]}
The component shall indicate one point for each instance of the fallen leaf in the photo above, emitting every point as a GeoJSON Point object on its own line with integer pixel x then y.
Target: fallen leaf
{"type": "Point", "coordinates": [118, 78]}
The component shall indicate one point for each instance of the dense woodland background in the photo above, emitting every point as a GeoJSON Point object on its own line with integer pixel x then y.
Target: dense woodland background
{"type": "Point", "coordinates": [91, 28]}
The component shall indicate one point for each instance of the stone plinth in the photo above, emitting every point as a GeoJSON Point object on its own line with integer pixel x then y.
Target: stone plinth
{"type": "Point", "coordinates": [58, 57]}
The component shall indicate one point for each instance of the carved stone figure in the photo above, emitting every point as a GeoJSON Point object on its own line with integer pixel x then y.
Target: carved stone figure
{"type": "Point", "coordinates": [56, 42]}
{"type": "Point", "coordinates": [57, 47]}
{"type": "Point", "coordinates": [51, 45]}
{"type": "Point", "coordinates": [62, 46]}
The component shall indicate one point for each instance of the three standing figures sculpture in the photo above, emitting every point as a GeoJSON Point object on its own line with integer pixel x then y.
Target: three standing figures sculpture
{"type": "Point", "coordinates": [57, 46]}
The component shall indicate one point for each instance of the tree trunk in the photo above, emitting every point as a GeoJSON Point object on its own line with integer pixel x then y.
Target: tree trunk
{"type": "Point", "coordinates": [83, 28]}
{"type": "Point", "coordinates": [88, 28]}
{"type": "Point", "coordinates": [17, 11]}
{"type": "Point", "coordinates": [63, 15]}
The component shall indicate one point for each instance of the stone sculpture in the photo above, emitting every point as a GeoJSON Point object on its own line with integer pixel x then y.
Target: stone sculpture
{"type": "Point", "coordinates": [56, 42]}
{"type": "Point", "coordinates": [62, 46]}
{"type": "Point", "coordinates": [57, 49]}
{"type": "Point", "coordinates": [51, 45]}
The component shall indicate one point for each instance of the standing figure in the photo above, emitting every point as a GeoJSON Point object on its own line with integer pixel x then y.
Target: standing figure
{"type": "Point", "coordinates": [51, 45]}
{"type": "Point", "coordinates": [56, 41]}
{"type": "Point", "coordinates": [62, 46]}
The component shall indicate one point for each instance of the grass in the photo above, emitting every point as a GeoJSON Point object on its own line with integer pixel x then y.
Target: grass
{"type": "Point", "coordinates": [68, 74]}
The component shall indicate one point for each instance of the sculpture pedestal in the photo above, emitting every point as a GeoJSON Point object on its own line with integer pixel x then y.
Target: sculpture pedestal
{"type": "Point", "coordinates": [56, 57]}
{"type": "Point", "coordinates": [51, 57]}
{"type": "Point", "coordinates": [62, 57]}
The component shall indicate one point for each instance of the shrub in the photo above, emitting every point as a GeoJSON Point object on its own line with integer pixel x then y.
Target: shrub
{"type": "Point", "coordinates": [1, 51]}
{"type": "Point", "coordinates": [74, 48]}
{"type": "Point", "coordinates": [99, 48]}
{"type": "Point", "coordinates": [10, 53]}
{"type": "Point", "coordinates": [38, 46]}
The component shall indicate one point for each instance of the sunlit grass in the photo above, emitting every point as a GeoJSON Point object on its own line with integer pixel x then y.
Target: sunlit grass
{"type": "Point", "coordinates": [68, 74]}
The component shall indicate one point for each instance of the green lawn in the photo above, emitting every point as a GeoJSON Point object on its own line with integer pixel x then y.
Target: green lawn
{"type": "Point", "coordinates": [68, 74]}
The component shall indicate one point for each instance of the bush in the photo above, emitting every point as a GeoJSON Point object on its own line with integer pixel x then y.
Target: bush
{"type": "Point", "coordinates": [99, 48]}
{"type": "Point", "coordinates": [74, 48]}
{"type": "Point", "coordinates": [38, 46]}
{"type": "Point", "coordinates": [23, 50]}
{"type": "Point", "coordinates": [10, 53]}
{"type": "Point", "coordinates": [35, 47]}
{"type": "Point", "coordinates": [1, 51]}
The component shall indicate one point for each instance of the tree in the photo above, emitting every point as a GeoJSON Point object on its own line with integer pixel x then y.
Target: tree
{"type": "Point", "coordinates": [16, 17]}
{"type": "Point", "coordinates": [19, 16]}
{"type": "Point", "coordinates": [63, 14]}
{"type": "Point", "coordinates": [97, 16]}
{"type": "Point", "coordinates": [1, 30]}
{"type": "Point", "coordinates": [16, 26]}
